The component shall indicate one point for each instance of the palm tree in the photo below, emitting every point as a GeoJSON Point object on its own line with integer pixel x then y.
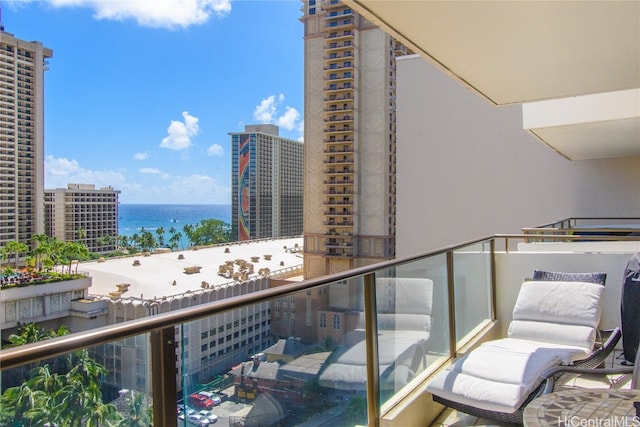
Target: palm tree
{"type": "Point", "coordinates": [138, 412]}
{"type": "Point", "coordinates": [105, 414]}
{"type": "Point", "coordinates": [160, 234]}
{"type": "Point", "coordinates": [14, 249]}
{"type": "Point", "coordinates": [175, 238]}
{"type": "Point", "coordinates": [27, 333]}
{"type": "Point", "coordinates": [123, 242]}
{"type": "Point", "coordinates": [41, 250]}
{"type": "Point", "coordinates": [188, 231]}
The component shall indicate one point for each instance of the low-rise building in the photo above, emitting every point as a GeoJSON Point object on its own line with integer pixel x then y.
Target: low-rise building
{"type": "Point", "coordinates": [82, 213]}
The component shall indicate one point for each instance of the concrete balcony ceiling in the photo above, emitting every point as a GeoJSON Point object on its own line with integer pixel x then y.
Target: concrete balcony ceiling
{"type": "Point", "coordinates": [554, 57]}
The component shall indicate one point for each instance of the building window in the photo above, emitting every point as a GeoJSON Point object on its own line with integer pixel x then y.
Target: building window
{"type": "Point", "coordinates": [336, 321]}
{"type": "Point", "coordinates": [323, 320]}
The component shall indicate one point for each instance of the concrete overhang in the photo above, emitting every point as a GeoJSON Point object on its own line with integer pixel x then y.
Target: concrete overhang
{"type": "Point", "coordinates": [528, 51]}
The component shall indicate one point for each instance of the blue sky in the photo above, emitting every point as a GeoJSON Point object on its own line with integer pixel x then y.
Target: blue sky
{"type": "Point", "coordinates": [141, 94]}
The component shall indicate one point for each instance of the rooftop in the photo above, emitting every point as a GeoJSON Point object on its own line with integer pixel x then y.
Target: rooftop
{"type": "Point", "coordinates": [163, 274]}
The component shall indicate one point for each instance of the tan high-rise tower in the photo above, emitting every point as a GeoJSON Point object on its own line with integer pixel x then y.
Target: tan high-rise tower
{"type": "Point", "coordinates": [350, 143]}
{"type": "Point", "coordinates": [22, 67]}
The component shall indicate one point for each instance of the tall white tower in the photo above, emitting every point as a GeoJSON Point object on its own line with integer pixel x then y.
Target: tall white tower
{"type": "Point", "coordinates": [22, 67]}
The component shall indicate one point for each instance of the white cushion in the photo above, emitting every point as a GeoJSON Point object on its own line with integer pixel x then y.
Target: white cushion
{"type": "Point", "coordinates": [566, 354]}
{"type": "Point", "coordinates": [574, 303]}
{"type": "Point", "coordinates": [477, 392]}
{"type": "Point", "coordinates": [553, 323]}
{"type": "Point", "coordinates": [500, 375]}
{"type": "Point", "coordinates": [554, 333]}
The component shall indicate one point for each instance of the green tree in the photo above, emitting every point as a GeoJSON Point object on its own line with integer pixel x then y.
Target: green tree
{"type": "Point", "coordinates": [138, 414]}
{"type": "Point", "coordinates": [72, 251]}
{"type": "Point", "coordinates": [105, 241]}
{"type": "Point", "coordinates": [123, 242]}
{"type": "Point", "coordinates": [41, 250]}
{"type": "Point", "coordinates": [188, 231]}
{"type": "Point", "coordinates": [13, 249]}
{"type": "Point", "coordinates": [209, 232]}
{"type": "Point", "coordinates": [81, 234]}
{"type": "Point", "coordinates": [147, 242]}
{"type": "Point", "coordinates": [28, 333]}
{"type": "Point", "coordinates": [174, 238]}
{"type": "Point", "coordinates": [160, 235]}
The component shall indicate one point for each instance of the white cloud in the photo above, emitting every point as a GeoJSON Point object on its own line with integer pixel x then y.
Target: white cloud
{"type": "Point", "coordinates": [152, 171]}
{"type": "Point", "coordinates": [180, 133]}
{"type": "Point", "coordinates": [141, 156]}
{"type": "Point", "coordinates": [150, 185]}
{"type": "Point", "coordinates": [61, 171]}
{"type": "Point", "coordinates": [269, 111]}
{"type": "Point", "coordinates": [266, 110]}
{"type": "Point", "coordinates": [215, 150]}
{"type": "Point", "coordinates": [169, 14]}
{"type": "Point", "coordinates": [289, 119]}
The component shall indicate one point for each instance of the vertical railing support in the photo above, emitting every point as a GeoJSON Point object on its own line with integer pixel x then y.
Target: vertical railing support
{"type": "Point", "coordinates": [492, 266]}
{"type": "Point", "coordinates": [371, 340]}
{"type": "Point", "coordinates": [453, 350]}
{"type": "Point", "coordinates": [163, 373]}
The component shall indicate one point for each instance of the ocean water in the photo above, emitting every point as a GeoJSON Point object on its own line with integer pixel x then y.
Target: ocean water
{"type": "Point", "coordinates": [132, 218]}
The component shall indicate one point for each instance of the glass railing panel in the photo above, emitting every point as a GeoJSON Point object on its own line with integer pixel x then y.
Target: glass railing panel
{"type": "Point", "coordinates": [275, 362]}
{"type": "Point", "coordinates": [103, 385]}
{"type": "Point", "coordinates": [472, 285]}
{"type": "Point", "coordinates": [412, 319]}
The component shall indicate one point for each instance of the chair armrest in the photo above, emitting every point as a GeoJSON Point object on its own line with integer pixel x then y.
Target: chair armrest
{"type": "Point", "coordinates": [550, 374]}
{"type": "Point", "coordinates": [614, 337]}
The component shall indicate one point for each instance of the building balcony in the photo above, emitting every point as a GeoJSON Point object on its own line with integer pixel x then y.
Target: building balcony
{"type": "Point", "coordinates": [332, 202]}
{"type": "Point", "coordinates": [338, 192]}
{"type": "Point", "coordinates": [339, 118]}
{"type": "Point", "coordinates": [344, 223]}
{"type": "Point", "coordinates": [335, 46]}
{"type": "Point", "coordinates": [339, 130]}
{"type": "Point", "coordinates": [473, 286]}
{"type": "Point", "coordinates": [338, 97]}
{"type": "Point", "coordinates": [334, 213]}
{"type": "Point", "coordinates": [334, 141]}
{"type": "Point", "coordinates": [345, 181]}
{"type": "Point", "coordinates": [345, 161]}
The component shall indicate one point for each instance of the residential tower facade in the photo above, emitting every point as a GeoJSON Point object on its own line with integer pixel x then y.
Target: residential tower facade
{"type": "Point", "coordinates": [350, 142]}
{"type": "Point", "coordinates": [266, 182]}
{"type": "Point", "coordinates": [82, 213]}
{"type": "Point", "coordinates": [22, 67]}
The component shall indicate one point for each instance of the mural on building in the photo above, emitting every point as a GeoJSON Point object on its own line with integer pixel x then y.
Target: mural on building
{"type": "Point", "coordinates": [244, 187]}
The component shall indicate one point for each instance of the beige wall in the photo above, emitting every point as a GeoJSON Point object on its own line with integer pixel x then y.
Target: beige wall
{"type": "Point", "coordinates": [467, 169]}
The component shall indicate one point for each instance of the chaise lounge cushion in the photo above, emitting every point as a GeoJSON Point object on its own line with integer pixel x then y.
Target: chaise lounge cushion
{"type": "Point", "coordinates": [558, 313]}
{"type": "Point", "coordinates": [554, 323]}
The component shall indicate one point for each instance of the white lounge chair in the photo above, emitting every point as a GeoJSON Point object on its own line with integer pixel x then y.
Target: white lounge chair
{"type": "Point", "coordinates": [554, 323]}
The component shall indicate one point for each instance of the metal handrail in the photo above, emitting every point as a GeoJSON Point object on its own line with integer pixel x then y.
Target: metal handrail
{"type": "Point", "coordinates": [30, 353]}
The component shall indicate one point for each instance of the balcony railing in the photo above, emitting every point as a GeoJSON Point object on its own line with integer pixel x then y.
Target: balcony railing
{"type": "Point", "coordinates": [352, 352]}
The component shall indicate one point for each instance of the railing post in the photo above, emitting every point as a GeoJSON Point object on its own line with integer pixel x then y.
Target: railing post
{"type": "Point", "coordinates": [163, 374]}
{"type": "Point", "coordinates": [492, 266]}
{"type": "Point", "coordinates": [453, 350]}
{"type": "Point", "coordinates": [371, 340]}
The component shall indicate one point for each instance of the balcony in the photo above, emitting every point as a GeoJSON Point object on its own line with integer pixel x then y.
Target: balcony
{"type": "Point", "coordinates": [470, 287]}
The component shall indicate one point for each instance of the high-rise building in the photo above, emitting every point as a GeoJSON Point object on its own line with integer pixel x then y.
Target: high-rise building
{"type": "Point", "coordinates": [350, 142]}
{"type": "Point", "coordinates": [22, 67]}
{"type": "Point", "coordinates": [82, 213]}
{"type": "Point", "coordinates": [266, 183]}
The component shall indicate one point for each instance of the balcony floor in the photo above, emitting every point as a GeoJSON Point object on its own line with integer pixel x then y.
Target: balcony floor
{"type": "Point", "coordinates": [451, 418]}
